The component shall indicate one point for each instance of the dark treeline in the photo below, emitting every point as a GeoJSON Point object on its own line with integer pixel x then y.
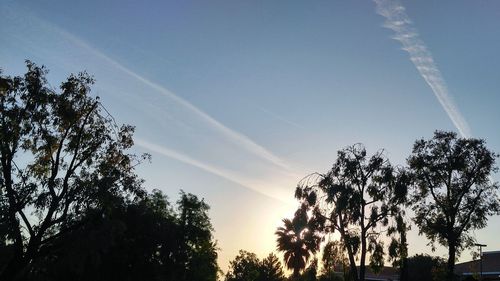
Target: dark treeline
{"type": "Point", "coordinates": [332, 266]}
{"type": "Point", "coordinates": [73, 208]}
{"type": "Point", "coordinates": [71, 205]}
{"type": "Point", "coordinates": [364, 199]}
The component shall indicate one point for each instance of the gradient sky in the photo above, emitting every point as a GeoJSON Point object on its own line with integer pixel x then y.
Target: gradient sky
{"type": "Point", "coordinates": [238, 100]}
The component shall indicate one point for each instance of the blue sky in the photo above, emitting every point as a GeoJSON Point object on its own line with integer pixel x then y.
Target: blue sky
{"type": "Point", "coordinates": [237, 100]}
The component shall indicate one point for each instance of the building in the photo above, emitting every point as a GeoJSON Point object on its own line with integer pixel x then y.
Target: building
{"type": "Point", "coordinates": [385, 274]}
{"type": "Point", "coordinates": [490, 265]}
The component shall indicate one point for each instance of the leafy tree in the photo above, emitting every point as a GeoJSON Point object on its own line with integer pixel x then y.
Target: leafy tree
{"type": "Point", "coordinates": [197, 252]}
{"type": "Point", "coordinates": [298, 239]}
{"type": "Point", "coordinates": [123, 244]}
{"type": "Point", "coordinates": [133, 241]}
{"type": "Point", "coordinates": [453, 191]}
{"type": "Point", "coordinates": [71, 206]}
{"type": "Point", "coordinates": [245, 267]}
{"type": "Point", "coordinates": [271, 269]}
{"type": "Point", "coordinates": [333, 277]}
{"type": "Point", "coordinates": [311, 271]}
{"type": "Point", "coordinates": [61, 154]}
{"type": "Point", "coordinates": [357, 198]}
{"type": "Point", "coordinates": [398, 248]}
{"type": "Point", "coordinates": [425, 268]}
{"type": "Point", "coordinates": [334, 260]}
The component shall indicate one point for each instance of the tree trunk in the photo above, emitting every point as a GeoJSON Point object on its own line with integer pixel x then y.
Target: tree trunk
{"type": "Point", "coordinates": [17, 262]}
{"type": "Point", "coordinates": [451, 262]}
{"type": "Point", "coordinates": [353, 271]}
{"type": "Point", "coordinates": [404, 257]}
{"type": "Point", "coordinates": [296, 274]}
{"type": "Point", "coordinates": [362, 258]}
{"type": "Point", "coordinates": [404, 269]}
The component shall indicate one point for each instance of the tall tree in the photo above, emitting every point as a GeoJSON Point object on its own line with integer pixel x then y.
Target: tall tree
{"type": "Point", "coordinates": [311, 272]}
{"type": "Point", "coordinates": [271, 269]}
{"type": "Point", "coordinates": [398, 248]}
{"type": "Point", "coordinates": [197, 250]}
{"type": "Point", "coordinates": [123, 244]}
{"type": "Point", "coordinates": [334, 259]}
{"type": "Point", "coordinates": [298, 239]}
{"type": "Point", "coordinates": [357, 198]}
{"type": "Point", "coordinates": [132, 241]}
{"type": "Point", "coordinates": [453, 192]}
{"type": "Point", "coordinates": [425, 268]}
{"type": "Point", "coordinates": [61, 154]}
{"type": "Point", "coordinates": [245, 267]}
{"type": "Point", "coordinates": [71, 206]}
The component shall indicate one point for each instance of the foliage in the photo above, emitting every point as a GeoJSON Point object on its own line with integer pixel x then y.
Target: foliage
{"type": "Point", "coordinates": [425, 268]}
{"type": "Point", "coordinates": [247, 267]}
{"type": "Point", "coordinates": [332, 277]}
{"type": "Point", "coordinates": [71, 205]}
{"type": "Point", "coordinates": [398, 248]}
{"type": "Point", "coordinates": [357, 198]}
{"type": "Point", "coordinates": [453, 194]}
{"type": "Point", "coordinates": [61, 155]}
{"type": "Point", "coordinates": [131, 241]}
{"type": "Point", "coordinates": [196, 253]}
{"type": "Point", "coordinates": [271, 269]}
{"type": "Point", "coordinates": [310, 272]}
{"type": "Point", "coordinates": [298, 239]}
{"type": "Point", "coordinates": [334, 259]}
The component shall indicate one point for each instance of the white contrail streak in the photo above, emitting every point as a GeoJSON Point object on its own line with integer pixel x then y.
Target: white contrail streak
{"type": "Point", "coordinates": [223, 173]}
{"type": "Point", "coordinates": [236, 137]}
{"type": "Point", "coordinates": [398, 21]}
{"type": "Point", "coordinates": [270, 178]}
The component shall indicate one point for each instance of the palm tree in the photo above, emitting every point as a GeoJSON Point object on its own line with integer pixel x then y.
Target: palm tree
{"type": "Point", "coordinates": [298, 239]}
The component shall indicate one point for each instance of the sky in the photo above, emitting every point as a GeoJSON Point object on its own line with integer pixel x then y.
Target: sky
{"type": "Point", "coordinates": [236, 101]}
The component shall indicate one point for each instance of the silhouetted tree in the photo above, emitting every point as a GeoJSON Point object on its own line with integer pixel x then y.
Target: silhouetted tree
{"type": "Point", "coordinates": [71, 206]}
{"type": "Point", "coordinates": [61, 154]}
{"type": "Point", "coordinates": [334, 260]}
{"type": "Point", "coordinates": [298, 239]}
{"type": "Point", "coordinates": [197, 252]}
{"type": "Point", "coordinates": [245, 267]}
{"type": "Point", "coordinates": [130, 241]}
{"type": "Point", "coordinates": [310, 273]}
{"type": "Point", "coordinates": [357, 198]}
{"type": "Point", "coordinates": [425, 268]}
{"type": "Point", "coordinates": [271, 269]}
{"type": "Point", "coordinates": [398, 248]}
{"type": "Point", "coordinates": [453, 192]}
{"type": "Point", "coordinates": [122, 243]}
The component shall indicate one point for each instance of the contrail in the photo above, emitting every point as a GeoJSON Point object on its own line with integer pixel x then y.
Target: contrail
{"type": "Point", "coordinates": [235, 136]}
{"type": "Point", "coordinates": [262, 179]}
{"type": "Point", "coordinates": [228, 175]}
{"type": "Point", "coordinates": [398, 21]}
{"type": "Point", "coordinates": [238, 138]}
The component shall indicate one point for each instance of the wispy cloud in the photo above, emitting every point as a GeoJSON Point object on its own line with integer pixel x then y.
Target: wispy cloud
{"type": "Point", "coordinates": [398, 21]}
{"type": "Point", "coordinates": [221, 172]}
{"type": "Point", "coordinates": [235, 136]}
{"type": "Point", "coordinates": [171, 125]}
